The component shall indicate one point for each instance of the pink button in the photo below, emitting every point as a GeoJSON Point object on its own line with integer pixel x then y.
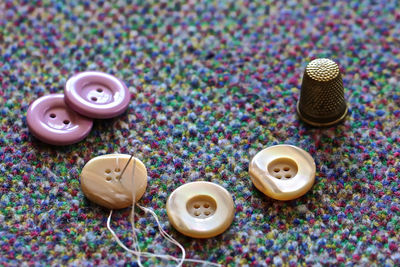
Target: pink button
{"type": "Point", "coordinates": [96, 95]}
{"type": "Point", "coordinates": [53, 122]}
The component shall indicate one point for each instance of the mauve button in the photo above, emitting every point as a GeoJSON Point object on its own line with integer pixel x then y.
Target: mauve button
{"type": "Point", "coordinates": [52, 121]}
{"type": "Point", "coordinates": [96, 95]}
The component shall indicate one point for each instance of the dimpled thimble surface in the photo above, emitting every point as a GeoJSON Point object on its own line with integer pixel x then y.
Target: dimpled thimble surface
{"type": "Point", "coordinates": [322, 100]}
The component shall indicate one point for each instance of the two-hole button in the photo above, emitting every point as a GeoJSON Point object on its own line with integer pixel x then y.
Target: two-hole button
{"type": "Point", "coordinates": [96, 94]}
{"type": "Point", "coordinates": [283, 172]}
{"type": "Point", "coordinates": [200, 209]}
{"type": "Point", "coordinates": [50, 120]}
{"type": "Point", "coordinates": [64, 119]}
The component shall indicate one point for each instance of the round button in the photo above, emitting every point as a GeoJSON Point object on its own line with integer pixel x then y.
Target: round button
{"type": "Point", "coordinates": [283, 172]}
{"type": "Point", "coordinates": [102, 183]}
{"type": "Point", "coordinates": [200, 209]}
{"type": "Point", "coordinates": [52, 121]}
{"type": "Point", "coordinates": [96, 95]}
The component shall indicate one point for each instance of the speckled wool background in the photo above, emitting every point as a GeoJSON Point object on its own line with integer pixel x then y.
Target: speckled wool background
{"type": "Point", "coordinates": [212, 83]}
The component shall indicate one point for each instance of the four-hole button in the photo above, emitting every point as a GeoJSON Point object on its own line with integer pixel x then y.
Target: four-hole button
{"type": "Point", "coordinates": [200, 209]}
{"type": "Point", "coordinates": [102, 183]}
{"type": "Point", "coordinates": [283, 172]}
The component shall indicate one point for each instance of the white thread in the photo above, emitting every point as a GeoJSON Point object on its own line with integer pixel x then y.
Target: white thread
{"type": "Point", "coordinates": [132, 215]}
{"type": "Point", "coordinates": [164, 234]}
{"type": "Point", "coordinates": [147, 254]}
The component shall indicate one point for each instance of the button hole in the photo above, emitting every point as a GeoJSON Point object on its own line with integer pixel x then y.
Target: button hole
{"type": "Point", "coordinates": [108, 178]}
{"type": "Point", "coordinates": [207, 213]}
{"type": "Point", "coordinates": [288, 176]}
{"type": "Point", "coordinates": [277, 170]}
{"type": "Point", "coordinates": [99, 90]}
{"type": "Point", "coordinates": [278, 176]}
{"type": "Point", "coordinates": [198, 205]}
{"type": "Point", "coordinates": [93, 98]}
{"type": "Point", "coordinates": [66, 121]}
{"type": "Point", "coordinates": [117, 170]}
{"type": "Point", "coordinates": [286, 169]}
{"type": "Point", "coordinates": [108, 170]}
{"type": "Point", "coordinates": [52, 115]}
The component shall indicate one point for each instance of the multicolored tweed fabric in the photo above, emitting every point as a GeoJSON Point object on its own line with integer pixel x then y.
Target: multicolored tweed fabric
{"type": "Point", "coordinates": [212, 83]}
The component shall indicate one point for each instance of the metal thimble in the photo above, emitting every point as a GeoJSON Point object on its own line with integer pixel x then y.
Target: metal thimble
{"type": "Point", "coordinates": [322, 100]}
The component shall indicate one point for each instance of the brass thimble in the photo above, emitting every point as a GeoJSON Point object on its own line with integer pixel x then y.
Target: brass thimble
{"type": "Point", "coordinates": [322, 100]}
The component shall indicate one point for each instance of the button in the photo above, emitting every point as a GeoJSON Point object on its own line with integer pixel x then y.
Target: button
{"type": "Point", "coordinates": [283, 172]}
{"type": "Point", "coordinates": [96, 95]}
{"type": "Point", "coordinates": [101, 181]}
{"type": "Point", "coordinates": [200, 209]}
{"type": "Point", "coordinates": [52, 121]}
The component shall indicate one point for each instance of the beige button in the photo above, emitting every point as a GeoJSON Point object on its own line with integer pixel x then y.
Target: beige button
{"type": "Point", "coordinates": [102, 184]}
{"type": "Point", "coordinates": [283, 172]}
{"type": "Point", "coordinates": [200, 209]}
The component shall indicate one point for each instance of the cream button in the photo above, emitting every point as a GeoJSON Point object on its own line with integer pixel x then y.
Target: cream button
{"type": "Point", "coordinates": [200, 209]}
{"type": "Point", "coordinates": [101, 181]}
{"type": "Point", "coordinates": [283, 172]}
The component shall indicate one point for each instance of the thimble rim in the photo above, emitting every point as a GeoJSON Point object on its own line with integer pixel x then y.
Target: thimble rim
{"type": "Point", "coordinates": [321, 124]}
